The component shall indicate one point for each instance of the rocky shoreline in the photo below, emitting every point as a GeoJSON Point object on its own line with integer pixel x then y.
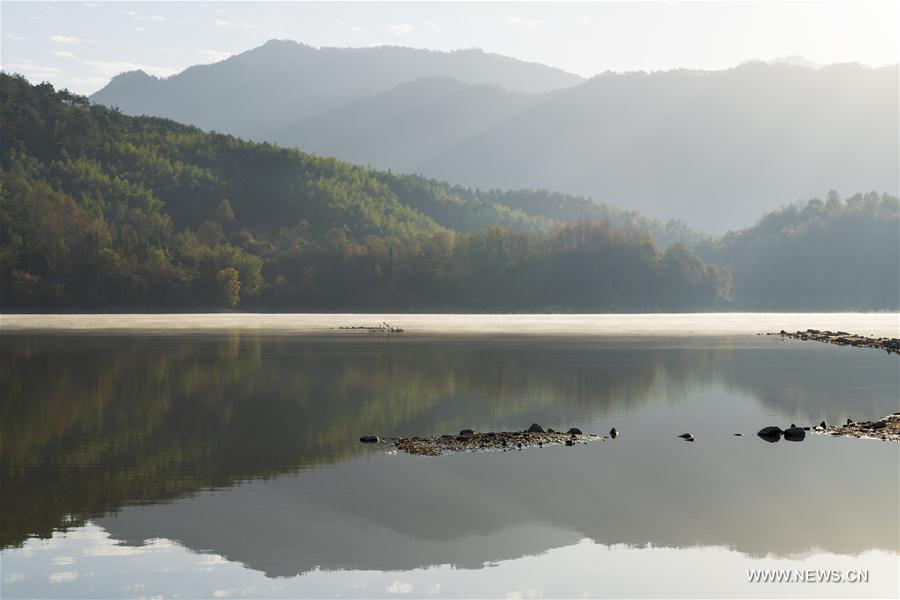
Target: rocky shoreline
{"type": "Point", "coordinates": [886, 428]}
{"type": "Point", "coordinates": [842, 338]}
{"type": "Point", "coordinates": [471, 441]}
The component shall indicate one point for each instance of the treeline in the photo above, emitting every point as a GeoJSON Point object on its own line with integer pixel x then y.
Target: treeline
{"type": "Point", "coordinates": [99, 211]}
{"type": "Point", "coordinates": [817, 255]}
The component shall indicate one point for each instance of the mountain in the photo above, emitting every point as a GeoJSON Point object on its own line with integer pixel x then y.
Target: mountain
{"type": "Point", "coordinates": [712, 148]}
{"type": "Point", "coordinates": [260, 90]}
{"type": "Point", "coordinates": [817, 255]}
{"type": "Point", "coordinates": [795, 60]}
{"type": "Point", "coordinates": [102, 211]}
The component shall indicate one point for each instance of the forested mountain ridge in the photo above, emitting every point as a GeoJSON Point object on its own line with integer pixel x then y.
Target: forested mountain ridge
{"type": "Point", "coordinates": [817, 255]}
{"type": "Point", "coordinates": [711, 148]}
{"type": "Point", "coordinates": [103, 211]}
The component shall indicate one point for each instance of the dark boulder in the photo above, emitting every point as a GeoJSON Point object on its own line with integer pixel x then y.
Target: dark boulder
{"type": "Point", "coordinates": [368, 439]}
{"type": "Point", "coordinates": [795, 434]}
{"type": "Point", "coordinates": [574, 431]}
{"type": "Point", "coordinates": [771, 434]}
{"type": "Point", "coordinates": [466, 433]}
{"type": "Point", "coordinates": [769, 431]}
{"type": "Point", "coordinates": [535, 428]}
{"type": "Point", "coordinates": [613, 433]}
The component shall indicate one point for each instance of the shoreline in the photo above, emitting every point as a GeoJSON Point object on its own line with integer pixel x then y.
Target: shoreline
{"type": "Point", "coordinates": [842, 338]}
{"type": "Point", "coordinates": [451, 324]}
{"type": "Point", "coordinates": [887, 429]}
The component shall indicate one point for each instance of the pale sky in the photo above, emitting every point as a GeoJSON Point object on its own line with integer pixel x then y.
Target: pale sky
{"type": "Point", "coordinates": [81, 45]}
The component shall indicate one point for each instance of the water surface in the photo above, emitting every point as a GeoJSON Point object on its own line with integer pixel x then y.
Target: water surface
{"type": "Point", "coordinates": [225, 462]}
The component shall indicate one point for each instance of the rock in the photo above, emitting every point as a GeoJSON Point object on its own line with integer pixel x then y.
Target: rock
{"type": "Point", "coordinates": [739, 434]}
{"type": "Point", "coordinates": [879, 425]}
{"type": "Point", "coordinates": [570, 442]}
{"type": "Point", "coordinates": [849, 421]}
{"type": "Point", "coordinates": [685, 436]}
{"type": "Point", "coordinates": [613, 433]}
{"type": "Point", "coordinates": [770, 431]}
{"type": "Point", "coordinates": [795, 434]}
{"type": "Point", "coordinates": [823, 425]}
{"type": "Point", "coordinates": [806, 429]}
{"type": "Point", "coordinates": [574, 431]}
{"type": "Point", "coordinates": [368, 439]}
{"type": "Point", "coordinates": [466, 433]}
{"type": "Point", "coordinates": [535, 428]}
{"type": "Point", "coordinates": [551, 430]}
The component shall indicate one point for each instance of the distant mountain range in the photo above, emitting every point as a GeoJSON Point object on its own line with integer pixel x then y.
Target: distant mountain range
{"type": "Point", "coordinates": [282, 82]}
{"type": "Point", "coordinates": [712, 148]}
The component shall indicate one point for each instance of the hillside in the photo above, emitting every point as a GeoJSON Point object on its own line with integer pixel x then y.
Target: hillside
{"type": "Point", "coordinates": [103, 211]}
{"type": "Point", "coordinates": [711, 148]}
{"type": "Point", "coordinates": [818, 255]}
{"type": "Point", "coordinates": [261, 90]}
{"type": "Point", "coordinates": [714, 149]}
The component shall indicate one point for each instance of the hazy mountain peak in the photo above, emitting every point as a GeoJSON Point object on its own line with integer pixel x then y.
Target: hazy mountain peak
{"type": "Point", "coordinates": [796, 60]}
{"type": "Point", "coordinates": [132, 77]}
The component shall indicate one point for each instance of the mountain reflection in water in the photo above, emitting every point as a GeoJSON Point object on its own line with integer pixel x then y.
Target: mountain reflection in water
{"type": "Point", "coordinates": [149, 436]}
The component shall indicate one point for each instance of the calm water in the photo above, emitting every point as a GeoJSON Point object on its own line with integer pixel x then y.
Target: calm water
{"type": "Point", "coordinates": [223, 461]}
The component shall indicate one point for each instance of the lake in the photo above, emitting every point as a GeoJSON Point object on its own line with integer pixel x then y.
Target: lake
{"type": "Point", "coordinates": [218, 456]}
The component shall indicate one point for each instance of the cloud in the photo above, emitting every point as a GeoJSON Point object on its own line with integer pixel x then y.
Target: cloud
{"type": "Point", "coordinates": [15, 38]}
{"type": "Point", "coordinates": [224, 23]}
{"type": "Point", "coordinates": [401, 29]}
{"type": "Point", "coordinates": [69, 39]}
{"type": "Point", "coordinates": [63, 560]}
{"type": "Point", "coordinates": [13, 577]}
{"type": "Point", "coordinates": [514, 20]}
{"type": "Point", "coordinates": [111, 68]}
{"type": "Point", "coordinates": [84, 83]}
{"type": "Point", "coordinates": [214, 55]}
{"type": "Point", "coordinates": [64, 576]}
{"type": "Point", "coordinates": [29, 67]}
{"type": "Point", "coordinates": [433, 26]}
{"type": "Point", "coordinates": [584, 20]}
{"type": "Point", "coordinates": [156, 18]}
{"type": "Point", "coordinates": [63, 54]}
{"type": "Point", "coordinates": [358, 28]}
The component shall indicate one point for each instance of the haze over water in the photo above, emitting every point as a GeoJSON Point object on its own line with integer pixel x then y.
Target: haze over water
{"type": "Point", "coordinates": [228, 463]}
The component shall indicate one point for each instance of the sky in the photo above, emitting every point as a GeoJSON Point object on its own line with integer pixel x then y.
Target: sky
{"type": "Point", "coordinates": [81, 45]}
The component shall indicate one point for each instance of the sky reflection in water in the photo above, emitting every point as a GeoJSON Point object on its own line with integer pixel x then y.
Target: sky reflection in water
{"type": "Point", "coordinates": [236, 456]}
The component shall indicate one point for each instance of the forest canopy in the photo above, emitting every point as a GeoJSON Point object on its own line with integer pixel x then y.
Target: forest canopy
{"type": "Point", "coordinates": [101, 211]}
